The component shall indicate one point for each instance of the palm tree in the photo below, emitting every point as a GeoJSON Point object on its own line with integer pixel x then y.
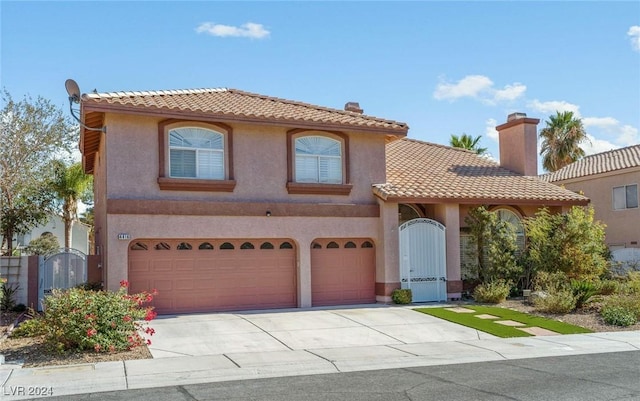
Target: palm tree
{"type": "Point", "coordinates": [71, 186]}
{"type": "Point", "coordinates": [467, 142]}
{"type": "Point", "coordinates": [561, 141]}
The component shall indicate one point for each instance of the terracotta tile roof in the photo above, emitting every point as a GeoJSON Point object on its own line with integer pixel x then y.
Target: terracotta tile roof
{"type": "Point", "coordinates": [599, 163]}
{"type": "Point", "coordinates": [233, 104]}
{"type": "Point", "coordinates": [420, 171]}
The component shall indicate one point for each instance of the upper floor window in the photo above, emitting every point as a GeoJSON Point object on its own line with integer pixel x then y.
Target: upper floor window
{"type": "Point", "coordinates": [318, 159]}
{"type": "Point", "coordinates": [625, 197]}
{"type": "Point", "coordinates": [196, 152]}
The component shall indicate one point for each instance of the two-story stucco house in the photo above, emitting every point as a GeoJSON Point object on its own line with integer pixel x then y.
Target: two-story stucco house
{"type": "Point", "coordinates": [610, 179]}
{"type": "Point", "coordinates": [223, 199]}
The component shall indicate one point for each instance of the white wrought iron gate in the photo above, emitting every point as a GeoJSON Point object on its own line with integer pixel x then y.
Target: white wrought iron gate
{"type": "Point", "coordinates": [65, 269]}
{"type": "Point", "coordinates": [423, 263]}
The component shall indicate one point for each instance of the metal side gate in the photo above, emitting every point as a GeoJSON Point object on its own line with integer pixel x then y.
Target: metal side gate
{"type": "Point", "coordinates": [423, 263]}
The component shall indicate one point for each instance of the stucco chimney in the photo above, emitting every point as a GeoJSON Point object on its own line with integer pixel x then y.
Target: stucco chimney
{"type": "Point", "coordinates": [353, 106]}
{"type": "Point", "coordinates": [518, 139]}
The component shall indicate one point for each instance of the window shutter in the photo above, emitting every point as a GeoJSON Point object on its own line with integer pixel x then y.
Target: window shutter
{"type": "Point", "coordinates": [210, 164]}
{"type": "Point", "coordinates": [183, 163]}
{"type": "Point", "coordinates": [619, 198]}
{"type": "Point", "coordinates": [330, 170]}
{"type": "Point", "coordinates": [632, 196]}
{"type": "Point", "coordinates": [306, 169]}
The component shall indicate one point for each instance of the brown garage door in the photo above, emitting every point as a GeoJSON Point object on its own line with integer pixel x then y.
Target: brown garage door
{"type": "Point", "coordinates": [214, 275]}
{"type": "Point", "coordinates": [343, 272]}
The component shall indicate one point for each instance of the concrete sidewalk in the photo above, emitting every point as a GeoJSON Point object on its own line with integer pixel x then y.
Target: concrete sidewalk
{"type": "Point", "coordinates": [379, 353]}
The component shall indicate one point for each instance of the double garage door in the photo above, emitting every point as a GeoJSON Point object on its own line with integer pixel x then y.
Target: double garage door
{"type": "Point", "coordinates": [219, 275]}
{"type": "Point", "coordinates": [215, 275]}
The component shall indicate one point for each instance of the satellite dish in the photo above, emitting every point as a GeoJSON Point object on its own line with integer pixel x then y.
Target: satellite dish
{"type": "Point", "coordinates": [73, 90]}
{"type": "Point", "coordinates": [74, 97]}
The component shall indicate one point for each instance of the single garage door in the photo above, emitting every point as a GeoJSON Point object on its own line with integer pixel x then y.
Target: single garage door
{"type": "Point", "coordinates": [343, 272]}
{"type": "Point", "coordinates": [214, 275]}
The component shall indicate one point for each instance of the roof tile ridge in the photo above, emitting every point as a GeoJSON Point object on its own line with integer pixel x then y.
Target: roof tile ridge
{"type": "Point", "coordinates": [315, 107]}
{"type": "Point", "coordinates": [439, 145]}
{"type": "Point", "coordinates": [162, 92]}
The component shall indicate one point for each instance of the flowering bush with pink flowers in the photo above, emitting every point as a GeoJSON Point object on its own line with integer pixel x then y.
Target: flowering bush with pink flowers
{"type": "Point", "coordinates": [102, 321]}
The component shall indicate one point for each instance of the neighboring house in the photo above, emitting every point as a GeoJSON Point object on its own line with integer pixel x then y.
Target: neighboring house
{"type": "Point", "coordinates": [223, 199]}
{"type": "Point", "coordinates": [610, 179]}
{"type": "Point", "coordinates": [55, 226]}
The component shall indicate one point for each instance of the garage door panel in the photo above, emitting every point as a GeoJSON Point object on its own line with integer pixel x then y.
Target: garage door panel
{"type": "Point", "coordinates": [196, 280]}
{"type": "Point", "coordinates": [344, 274]}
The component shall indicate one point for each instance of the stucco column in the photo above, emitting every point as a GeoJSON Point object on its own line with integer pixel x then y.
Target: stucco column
{"type": "Point", "coordinates": [387, 252]}
{"type": "Point", "coordinates": [449, 215]}
{"type": "Point", "coordinates": [304, 273]}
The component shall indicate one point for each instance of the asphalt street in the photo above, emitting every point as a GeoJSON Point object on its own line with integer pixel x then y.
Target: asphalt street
{"type": "Point", "coordinates": [604, 376]}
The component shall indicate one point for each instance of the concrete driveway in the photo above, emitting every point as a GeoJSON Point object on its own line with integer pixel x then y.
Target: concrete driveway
{"type": "Point", "coordinates": [300, 329]}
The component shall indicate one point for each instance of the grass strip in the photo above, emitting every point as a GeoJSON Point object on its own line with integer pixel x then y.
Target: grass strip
{"type": "Point", "coordinates": [490, 326]}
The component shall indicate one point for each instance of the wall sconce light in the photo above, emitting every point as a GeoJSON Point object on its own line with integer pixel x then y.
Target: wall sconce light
{"type": "Point", "coordinates": [268, 213]}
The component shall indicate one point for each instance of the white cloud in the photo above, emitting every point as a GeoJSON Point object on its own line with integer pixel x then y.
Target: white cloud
{"type": "Point", "coordinates": [248, 30]}
{"type": "Point", "coordinates": [510, 92]}
{"type": "Point", "coordinates": [478, 87]}
{"type": "Point", "coordinates": [551, 107]}
{"type": "Point", "coordinates": [634, 33]}
{"type": "Point", "coordinates": [490, 129]}
{"type": "Point", "coordinates": [595, 145]}
{"type": "Point", "coordinates": [625, 135]}
{"type": "Point", "coordinates": [469, 86]}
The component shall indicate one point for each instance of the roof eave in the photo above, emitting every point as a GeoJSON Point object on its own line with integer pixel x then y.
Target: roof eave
{"type": "Point", "coordinates": [165, 113]}
{"type": "Point", "coordinates": [474, 201]}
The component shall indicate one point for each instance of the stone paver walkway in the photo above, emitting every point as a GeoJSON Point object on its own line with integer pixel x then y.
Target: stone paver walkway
{"type": "Point", "coordinates": [534, 331]}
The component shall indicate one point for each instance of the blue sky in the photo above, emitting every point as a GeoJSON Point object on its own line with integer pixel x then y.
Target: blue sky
{"type": "Point", "coordinates": [442, 67]}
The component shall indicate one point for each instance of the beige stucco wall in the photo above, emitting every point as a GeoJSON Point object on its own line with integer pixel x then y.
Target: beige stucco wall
{"type": "Point", "coordinates": [259, 163]}
{"type": "Point", "coordinates": [302, 230]}
{"type": "Point", "coordinates": [623, 226]}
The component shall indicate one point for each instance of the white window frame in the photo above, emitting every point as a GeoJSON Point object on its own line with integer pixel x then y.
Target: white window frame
{"type": "Point", "coordinates": [200, 153]}
{"type": "Point", "coordinates": [316, 159]}
{"type": "Point", "coordinates": [626, 199]}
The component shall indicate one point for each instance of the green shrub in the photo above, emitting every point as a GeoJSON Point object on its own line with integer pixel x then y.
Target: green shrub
{"type": "Point", "coordinates": [95, 320]}
{"type": "Point", "coordinates": [583, 291]}
{"type": "Point", "coordinates": [8, 297]}
{"type": "Point", "coordinates": [29, 328]}
{"type": "Point", "coordinates": [608, 287]}
{"type": "Point", "coordinates": [492, 292]}
{"type": "Point", "coordinates": [402, 296]}
{"type": "Point", "coordinates": [632, 284]}
{"type": "Point", "coordinates": [551, 281]}
{"type": "Point", "coordinates": [618, 316]}
{"type": "Point", "coordinates": [557, 301]}
{"type": "Point", "coordinates": [572, 242]}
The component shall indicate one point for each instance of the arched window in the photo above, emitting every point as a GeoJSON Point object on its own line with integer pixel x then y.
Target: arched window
{"type": "Point", "coordinates": [205, 245]}
{"type": "Point", "coordinates": [406, 213]}
{"type": "Point", "coordinates": [184, 246]}
{"type": "Point", "coordinates": [196, 153]}
{"type": "Point", "coordinates": [350, 245]}
{"type": "Point", "coordinates": [247, 245]}
{"type": "Point", "coordinates": [333, 244]}
{"type": "Point", "coordinates": [227, 245]}
{"type": "Point", "coordinates": [266, 245]}
{"type": "Point", "coordinates": [318, 159]}
{"type": "Point", "coordinates": [512, 218]}
{"type": "Point", "coordinates": [286, 245]}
